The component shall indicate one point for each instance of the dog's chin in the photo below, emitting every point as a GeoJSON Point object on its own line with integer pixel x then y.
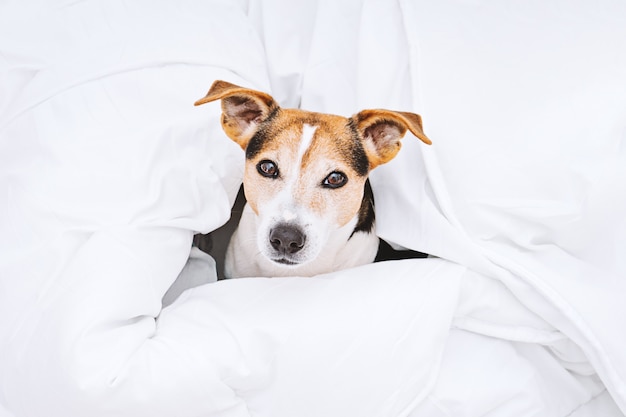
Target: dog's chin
{"type": "Point", "coordinates": [285, 262]}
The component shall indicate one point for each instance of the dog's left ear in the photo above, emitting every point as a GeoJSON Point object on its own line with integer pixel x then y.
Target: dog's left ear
{"type": "Point", "coordinates": [381, 131]}
{"type": "Point", "coordinates": [243, 110]}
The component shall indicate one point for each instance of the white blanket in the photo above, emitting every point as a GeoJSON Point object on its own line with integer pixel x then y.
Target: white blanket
{"type": "Point", "coordinates": [107, 170]}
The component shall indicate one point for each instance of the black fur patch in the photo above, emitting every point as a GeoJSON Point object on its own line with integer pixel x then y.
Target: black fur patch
{"type": "Point", "coordinates": [358, 157]}
{"type": "Point", "coordinates": [261, 136]}
{"type": "Point", "coordinates": [367, 216]}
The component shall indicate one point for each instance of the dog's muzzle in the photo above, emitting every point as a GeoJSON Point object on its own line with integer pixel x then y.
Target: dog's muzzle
{"type": "Point", "coordinates": [286, 240]}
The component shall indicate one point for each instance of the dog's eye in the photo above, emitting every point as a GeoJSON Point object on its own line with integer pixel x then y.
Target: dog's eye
{"type": "Point", "coordinates": [335, 180]}
{"type": "Point", "coordinates": [267, 168]}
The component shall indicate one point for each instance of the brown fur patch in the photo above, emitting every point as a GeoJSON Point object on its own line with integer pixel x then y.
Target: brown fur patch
{"type": "Point", "coordinates": [382, 130]}
{"type": "Point", "coordinates": [333, 148]}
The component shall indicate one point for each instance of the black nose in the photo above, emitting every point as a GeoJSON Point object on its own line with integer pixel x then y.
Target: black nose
{"type": "Point", "coordinates": [287, 238]}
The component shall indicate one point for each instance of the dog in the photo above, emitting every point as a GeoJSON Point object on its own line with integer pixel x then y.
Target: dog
{"type": "Point", "coordinates": [310, 208]}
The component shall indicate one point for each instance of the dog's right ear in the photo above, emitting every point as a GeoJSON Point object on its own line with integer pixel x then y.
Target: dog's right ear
{"type": "Point", "coordinates": [243, 110]}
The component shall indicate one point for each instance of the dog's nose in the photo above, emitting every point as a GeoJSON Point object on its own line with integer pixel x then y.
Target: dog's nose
{"type": "Point", "coordinates": [287, 239]}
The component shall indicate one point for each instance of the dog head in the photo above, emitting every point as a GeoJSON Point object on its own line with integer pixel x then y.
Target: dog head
{"type": "Point", "coordinates": [305, 172]}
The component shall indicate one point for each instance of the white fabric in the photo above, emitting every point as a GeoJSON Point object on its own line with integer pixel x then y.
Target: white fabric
{"type": "Point", "coordinates": [107, 170]}
{"type": "Point", "coordinates": [542, 191]}
{"type": "Point", "coordinates": [199, 269]}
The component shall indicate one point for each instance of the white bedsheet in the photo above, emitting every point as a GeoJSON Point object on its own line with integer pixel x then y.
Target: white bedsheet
{"type": "Point", "coordinates": [107, 170]}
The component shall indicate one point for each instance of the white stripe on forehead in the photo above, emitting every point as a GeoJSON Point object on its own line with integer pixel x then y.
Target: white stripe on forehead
{"type": "Point", "coordinates": [286, 195]}
{"type": "Point", "coordinates": [308, 132]}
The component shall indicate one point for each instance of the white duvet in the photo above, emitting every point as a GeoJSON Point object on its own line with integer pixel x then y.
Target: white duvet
{"type": "Point", "coordinates": [107, 170]}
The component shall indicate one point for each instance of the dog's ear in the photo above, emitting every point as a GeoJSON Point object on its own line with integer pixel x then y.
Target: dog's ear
{"type": "Point", "coordinates": [243, 110]}
{"type": "Point", "coordinates": [381, 131]}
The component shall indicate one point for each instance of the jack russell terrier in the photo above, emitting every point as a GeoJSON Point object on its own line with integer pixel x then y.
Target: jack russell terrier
{"type": "Point", "coordinates": [310, 209]}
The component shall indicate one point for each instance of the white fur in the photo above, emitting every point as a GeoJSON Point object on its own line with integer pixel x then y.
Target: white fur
{"type": "Point", "coordinates": [308, 132]}
{"type": "Point", "coordinates": [243, 258]}
{"type": "Point", "coordinates": [289, 215]}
